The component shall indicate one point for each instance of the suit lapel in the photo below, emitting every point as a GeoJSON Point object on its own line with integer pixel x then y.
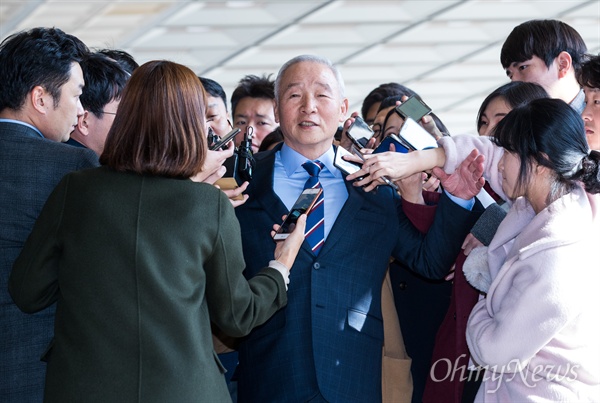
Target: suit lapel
{"type": "Point", "coordinates": [263, 186]}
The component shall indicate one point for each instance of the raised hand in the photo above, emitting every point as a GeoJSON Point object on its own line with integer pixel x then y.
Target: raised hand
{"type": "Point", "coordinates": [467, 179]}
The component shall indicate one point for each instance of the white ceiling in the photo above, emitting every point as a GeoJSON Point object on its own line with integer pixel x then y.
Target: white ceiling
{"type": "Point", "coordinates": [446, 50]}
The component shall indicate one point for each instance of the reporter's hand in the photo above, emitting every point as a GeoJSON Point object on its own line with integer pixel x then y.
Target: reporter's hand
{"type": "Point", "coordinates": [467, 180]}
{"type": "Point", "coordinates": [411, 188]}
{"type": "Point", "coordinates": [287, 250]}
{"type": "Point", "coordinates": [233, 193]}
{"type": "Point", "coordinates": [432, 183]}
{"type": "Point", "coordinates": [345, 141]}
{"type": "Point", "coordinates": [429, 124]}
{"type": "Point", "coordinates": [470, 243]}
{"type": "Point", "coordinates": [213, 168]}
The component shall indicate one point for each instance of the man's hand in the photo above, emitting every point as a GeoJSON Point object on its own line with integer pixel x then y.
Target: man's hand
{"type": "Point", "coordinates": [467, 180]}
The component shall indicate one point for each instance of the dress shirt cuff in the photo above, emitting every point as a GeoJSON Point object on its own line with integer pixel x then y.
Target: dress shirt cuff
{"type": "Point", "coordinates": [281, 268]}
{"type": "Point", "coordinates": [466, 204]}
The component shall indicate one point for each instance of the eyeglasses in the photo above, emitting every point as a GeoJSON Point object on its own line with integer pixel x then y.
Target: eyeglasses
{"type": "Point", "coordinates": [109, 113]}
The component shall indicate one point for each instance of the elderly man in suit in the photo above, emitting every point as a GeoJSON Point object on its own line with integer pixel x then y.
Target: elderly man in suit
{"type": "Point", "coordinates": [326, 344]}
{"type": "Point", "coordinates": [39, 107]}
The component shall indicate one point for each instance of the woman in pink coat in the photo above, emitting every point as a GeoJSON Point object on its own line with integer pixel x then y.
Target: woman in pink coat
{"type": "Point", "coordinates": [537, 333]}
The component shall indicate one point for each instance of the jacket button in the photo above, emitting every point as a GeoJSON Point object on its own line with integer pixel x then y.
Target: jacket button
{"type": "Point", "coordinates": [316, 266]}
{"type": "Point", "coordinates": [402, 285]}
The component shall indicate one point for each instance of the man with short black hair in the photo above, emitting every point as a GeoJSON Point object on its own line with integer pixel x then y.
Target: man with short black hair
{"type": "Point", "coordinates": [548, 53]}
{"type": "Point", "coordinates": [105, 80]}
{"type": "Point", "coordinates": [39, 107]}
{"type": "Point", "coordinates": [252, 104]}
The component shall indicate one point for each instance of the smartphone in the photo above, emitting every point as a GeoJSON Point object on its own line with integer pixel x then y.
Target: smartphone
{"type": "Point", "coordinates": [415, 136]}
{"type": "Point", "coordinates": [347, 167]}
{"type": "Point", "coordinates": [414, 107]}
{"type": "Point", "coordinates": [303, 205]}
{"type": "Point", "coordinates": [226, 139]}
{"type": "Point", "coordinates": [384, 146]}
{"type": "Point", "coordinates": [359, 132]}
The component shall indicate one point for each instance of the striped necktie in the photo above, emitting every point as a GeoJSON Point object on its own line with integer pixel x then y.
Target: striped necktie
{"type": "Point", "coordinates": [315, 231]}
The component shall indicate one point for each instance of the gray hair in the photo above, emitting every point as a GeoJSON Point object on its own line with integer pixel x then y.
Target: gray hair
{"type": "Point", "coordinates": [312, 59]}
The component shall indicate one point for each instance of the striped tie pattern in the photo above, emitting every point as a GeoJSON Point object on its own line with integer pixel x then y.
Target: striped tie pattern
{"type": "Point", "coordinates": [315, 231]}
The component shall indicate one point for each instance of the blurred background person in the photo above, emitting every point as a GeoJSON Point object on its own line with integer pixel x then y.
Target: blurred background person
{"type": "Point", "coordinates": [217, 115]}
{"type": "Point", "coordinates": [39, 107]}
{"type": "Point", "coordinates": [104, 82]}
{"type": "Point", "coordinates": [548, 53]}
{"type": "Point", "coordinates": [589, 78]}
{"type": "Point", "coordinates": [252, 104]}
{"type": "Point", "coordinates": [126, 61]}
{"type": "Point", "coordinates": [162, 257]}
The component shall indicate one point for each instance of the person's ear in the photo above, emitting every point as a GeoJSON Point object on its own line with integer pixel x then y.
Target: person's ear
{"type": "Point", "coordinates": [565, 62]}
{"type": "Point", "coordinates": [82, 123]}
{"type": "Point", "coordinates": [276, 111]}
{"type": "Point", "coordinates": [40, 99]}
{"type": "Point", "coordinates": [343, 110]}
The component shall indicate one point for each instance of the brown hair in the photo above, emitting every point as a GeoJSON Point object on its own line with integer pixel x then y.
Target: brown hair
{"type": "Point", "coordinates": [159, 128]}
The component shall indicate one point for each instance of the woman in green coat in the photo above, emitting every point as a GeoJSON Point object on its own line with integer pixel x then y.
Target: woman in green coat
{"type": "Point", "coordinates": [140, 259]}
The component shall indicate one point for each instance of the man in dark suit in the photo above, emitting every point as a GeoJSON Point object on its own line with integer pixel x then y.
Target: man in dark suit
{"type": "Point", "coordinates": [326, 345]}
{"type": "Point", "coordinates": [39, 107]}
{"type": "Point", "coordinates": [105, 80]}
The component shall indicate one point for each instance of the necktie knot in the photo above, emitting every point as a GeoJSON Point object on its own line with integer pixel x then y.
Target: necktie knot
{"type": "Point", "coordinates": [313, 167]}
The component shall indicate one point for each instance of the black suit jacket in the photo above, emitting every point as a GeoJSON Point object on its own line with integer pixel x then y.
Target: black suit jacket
{"type": "Point", "coordinates": [328, 339]}
{"type": "Point", "coordinates": [30, 168]}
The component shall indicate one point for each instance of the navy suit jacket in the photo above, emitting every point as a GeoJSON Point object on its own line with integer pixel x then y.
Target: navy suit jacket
{"type": "Point", "coordinates": [328, 339]}
{"type": "Point", "coordinates": [30, 168]}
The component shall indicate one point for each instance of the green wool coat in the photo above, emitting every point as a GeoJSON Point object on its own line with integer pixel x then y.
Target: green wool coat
{"type": "Point", "coordinates": [139, 266]}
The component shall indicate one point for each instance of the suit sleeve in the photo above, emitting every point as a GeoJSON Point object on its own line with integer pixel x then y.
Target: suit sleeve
{"type": "Point", "coordinates": [421, 215]}
{"type": "Point", "coordinates": [238, 305]}
{"type": "Point", "coordinates": [432, 254]}
{"type": "Point", "coordinates": [33, 282]}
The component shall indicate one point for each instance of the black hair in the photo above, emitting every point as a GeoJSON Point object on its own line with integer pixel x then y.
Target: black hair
{"type": "Point", "coordinates": [380, 93]}
{"type": "Point", "coordinates": [253, 87]}
{"type": "Point", "coordinates": [40, 56]}
{"type": "Point", "coordinates": [544, 39]}
{"type": "Point", "coordinates": [214, 89]}
{"type": "Point", "coordinates": [276, 136]}
{"type": "Point", "coordinates": [104, 82]}
{"type": "Point", "coordinates": [550, 133]}
{"type": "Point", "coordinates": [391, 101]}
{"type": "Point", "coordinates": [589, 76]}
{"type": "Point", "coordinates": [126, 61]}
{"type": "Point", "coordinates": [515, 94]}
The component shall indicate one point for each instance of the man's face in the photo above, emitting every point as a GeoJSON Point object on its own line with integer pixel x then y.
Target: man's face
{"type": "Point", "coordinates": [59, 122]}
{"type": "Point", "coordinates": [310, 108]}
{"type": "Point", "coordinates": [591, 117]}
{"type": "Point", "coordinates": [535, 70]}
{"type": "Point", "coordinates": [216, 116]}
{"type": "Point", "coordinates": [98, 127]}
{"type": "Point", "coordinates": [258, 113]}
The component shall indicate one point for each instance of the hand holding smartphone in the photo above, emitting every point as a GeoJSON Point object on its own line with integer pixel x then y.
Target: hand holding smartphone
{"type": "Point", "coordinates": [359, 132]}
{"type": "Point", "coordinates": [302, 205]}
{"type": "Point", "coordinates": [414, 107]}
{"type": "Point", "coordinates": [226, 139]}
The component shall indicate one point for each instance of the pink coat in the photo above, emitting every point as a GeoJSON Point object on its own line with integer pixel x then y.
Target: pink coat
{"type": "Point", "coordinates": [538, 330]}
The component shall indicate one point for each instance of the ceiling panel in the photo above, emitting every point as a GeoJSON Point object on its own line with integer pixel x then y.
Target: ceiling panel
{"type": "Point", "coordinates": [448, 51]}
